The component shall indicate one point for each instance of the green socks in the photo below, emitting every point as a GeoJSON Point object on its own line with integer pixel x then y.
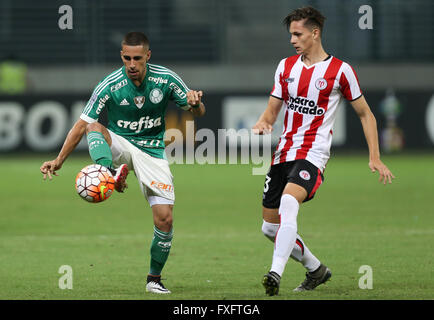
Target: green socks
{"type": "Point", "coordinates": [160, 248]}
{"type": "Point", "coordinates": [99, 149]}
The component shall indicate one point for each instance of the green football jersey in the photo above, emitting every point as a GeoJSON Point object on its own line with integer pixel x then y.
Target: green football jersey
{"type": "Point", "coordinates": [137, 113]}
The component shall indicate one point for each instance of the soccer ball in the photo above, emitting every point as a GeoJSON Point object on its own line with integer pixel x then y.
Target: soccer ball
{"type": "Point", "coordinates": [94, 183]}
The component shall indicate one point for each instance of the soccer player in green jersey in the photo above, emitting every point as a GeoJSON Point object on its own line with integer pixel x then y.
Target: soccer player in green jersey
{"type": "Point", "coordinates": [135, 97]}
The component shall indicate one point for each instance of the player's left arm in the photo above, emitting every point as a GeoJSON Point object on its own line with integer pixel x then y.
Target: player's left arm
{"type": "Point", "coordinates": [369, 125]}
{"type": "Point", "coordinates": [194, 100]}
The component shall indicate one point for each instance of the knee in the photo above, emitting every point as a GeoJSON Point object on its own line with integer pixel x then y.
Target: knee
{"type": "Point", "coordinates": [288, 209]}
{"type": "Point", "coordinates": [165, 224]}
{"type": "Point", "coordinates": [163, 219]}
{"type": "Point", "coordinates": [94, 126]}
{"type": "Point", "coordinates": [270, 230]}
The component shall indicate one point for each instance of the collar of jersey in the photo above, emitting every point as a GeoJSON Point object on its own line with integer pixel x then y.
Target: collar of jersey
{"type": "Point", "coordinates": [142, 85]}
{"type": "Point", "coordinates": [312, 65]}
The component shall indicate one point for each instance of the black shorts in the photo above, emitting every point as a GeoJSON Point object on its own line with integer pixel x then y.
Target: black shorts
{"type": "Point", "coordinates": [300, 172]}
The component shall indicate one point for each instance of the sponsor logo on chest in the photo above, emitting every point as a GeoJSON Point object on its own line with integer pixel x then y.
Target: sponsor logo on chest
{"type": "Point", "coordinates": [305, 106]}
{"type": "Point", "coordinates": [137, 126]}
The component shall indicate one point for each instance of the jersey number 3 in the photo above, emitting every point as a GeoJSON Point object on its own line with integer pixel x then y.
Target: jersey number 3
{"type": "Point", "coordinates": [267, 181]}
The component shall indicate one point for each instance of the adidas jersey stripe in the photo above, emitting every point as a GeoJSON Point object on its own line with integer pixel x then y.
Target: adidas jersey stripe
{"type": "Point", "coordinates": [163, 70]}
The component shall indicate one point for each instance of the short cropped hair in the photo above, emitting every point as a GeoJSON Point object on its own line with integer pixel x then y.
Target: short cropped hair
{"type": "Point", "coordinates": [313, 16]}
{"type": "Point", "coordinates": [135, 39]}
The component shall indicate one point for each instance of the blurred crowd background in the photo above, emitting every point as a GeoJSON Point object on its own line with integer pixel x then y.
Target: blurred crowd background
{"type": "Point", "coordinates": [228, 49]}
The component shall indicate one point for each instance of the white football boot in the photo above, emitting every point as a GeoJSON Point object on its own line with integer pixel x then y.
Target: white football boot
{"type": "Point", "coordinates": [155, 285]}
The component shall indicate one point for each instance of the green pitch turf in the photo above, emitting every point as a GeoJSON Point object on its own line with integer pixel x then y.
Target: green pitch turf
{"type": "Point", "coordinates": [218, 249]}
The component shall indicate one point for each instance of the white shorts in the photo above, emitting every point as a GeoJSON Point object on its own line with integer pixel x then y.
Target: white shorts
{"type": "Point", "coordinates": [155, 178]}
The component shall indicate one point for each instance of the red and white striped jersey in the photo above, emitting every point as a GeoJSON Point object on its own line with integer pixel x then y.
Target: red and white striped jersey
{"type": "Point", "coordinates": [310, 98]}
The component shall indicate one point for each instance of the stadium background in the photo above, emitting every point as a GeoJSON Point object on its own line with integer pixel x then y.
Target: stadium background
{"type": "Point", "coordinates": [228, 49]}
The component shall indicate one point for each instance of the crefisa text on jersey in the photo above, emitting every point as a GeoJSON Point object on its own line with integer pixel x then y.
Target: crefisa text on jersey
{"type": "Point", "coordinates": [222, 309]}
{"type": "Point", "coordinates": [158, 80]}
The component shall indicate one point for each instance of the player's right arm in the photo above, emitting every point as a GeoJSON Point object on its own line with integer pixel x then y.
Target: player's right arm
{"type": "Point", "coordinates": [90, 114]}
{"type": "Point", "coordinates": [268, 117]}
{"type": "Point", "coordinates": [74, 136]}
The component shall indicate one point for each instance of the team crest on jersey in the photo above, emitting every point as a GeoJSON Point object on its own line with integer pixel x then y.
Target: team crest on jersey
{"type": "Point", "coordinates": [139, 101]}
{"type": "Point", "coordinates": [321, 83]}
{"type": "Point", "coordinates": [289, 80]}
{"type": "Point", "coordinates": [156, 95]}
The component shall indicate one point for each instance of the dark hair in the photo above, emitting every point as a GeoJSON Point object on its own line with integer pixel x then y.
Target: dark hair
{"type": "Point", "coordinates": [135, 39]}
{"type": "Point", "coordinates": [313, 16]}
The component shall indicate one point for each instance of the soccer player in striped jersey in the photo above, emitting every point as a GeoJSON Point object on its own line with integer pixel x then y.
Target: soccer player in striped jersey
{"type": "Point", "coordinates": [136, 97]}
{"type": "Point", "coordinates": [309, 86]}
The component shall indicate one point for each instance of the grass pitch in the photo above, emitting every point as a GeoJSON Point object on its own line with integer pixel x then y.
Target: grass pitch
{"type": "Point", "coordinates": [218, 249]}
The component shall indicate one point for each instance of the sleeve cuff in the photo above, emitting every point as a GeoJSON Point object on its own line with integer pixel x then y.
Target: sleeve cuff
{"type": "Point", "coordinates": [275, 97]}
{"type": "Point", "coordinates": [356, 98]}
{"type": "Point", "coordinates": [87, 118]}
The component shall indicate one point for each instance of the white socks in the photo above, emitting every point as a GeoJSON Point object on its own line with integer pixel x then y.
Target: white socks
{"type": "Point", "coordinates": [287, 241]}
{"type": "Point", "coordinates": [302, 254]}
{"type": "Point", "coordinates": [270, 229]}
{"type": "Point", "coordinates": [287, 233]}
